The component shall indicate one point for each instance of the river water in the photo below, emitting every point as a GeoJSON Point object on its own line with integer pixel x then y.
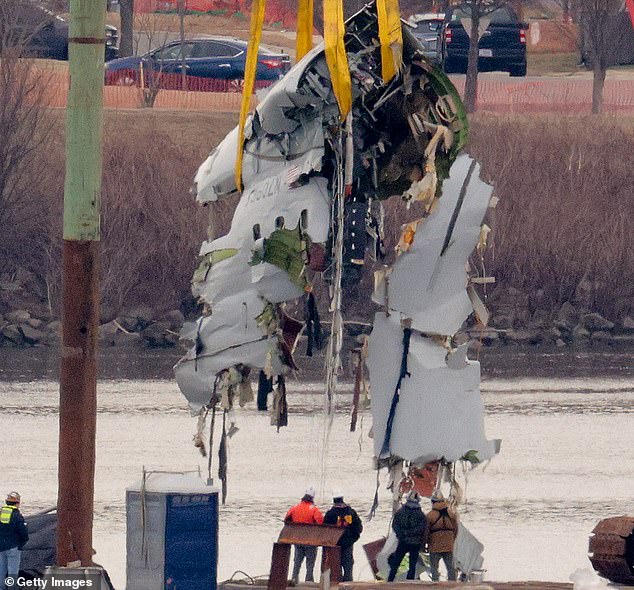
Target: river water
{"type": "Point", "coordinates": [567, 460]}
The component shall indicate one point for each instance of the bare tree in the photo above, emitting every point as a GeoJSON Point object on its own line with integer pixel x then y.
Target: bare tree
{"type": "Point", "coordinates": [153, 30]}
{"type": "Point", "coordinates": [596, 18]}
{"type": "Point", "coordinates": [181, 29]}
{"type": "Point", "coordinates": [25, 124]}
{"type": "Point", "coordinates": [475, 25]}
{"type": "Point", "coordinates": [126, 13]}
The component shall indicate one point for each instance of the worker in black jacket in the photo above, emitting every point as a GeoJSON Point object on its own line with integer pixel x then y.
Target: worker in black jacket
{"type": "Point", "coordinates": [342, 515]}
{"type": "Point", "coordinates": [410, 526]}
{"type": "Point", "coordinates": [13, 537]}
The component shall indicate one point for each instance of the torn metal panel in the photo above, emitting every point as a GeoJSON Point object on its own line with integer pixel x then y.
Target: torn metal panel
{"type": "Point", "coordinates": [197, 377]}
{"type": "Point", "coordinates": [231, 335]}
{"type": "Point", "coordinates": [439, 413]}
{"type": "Point", "coordinates": [304, 171]}
{"type": "Point", "coordinates": [271, 201]}
{"type": "Point", "coordinates": [426, 399]}
{"type": "Point", "coordinates": [264, 204]}
{"type": "Point", "coordinates": [301, 152]}
{"type": "Point", "coordinates": [428, 282]}
{"type": "Point", "coordinates": [467, 551]}
{"type": "Point", "coordinates": [215, 177]}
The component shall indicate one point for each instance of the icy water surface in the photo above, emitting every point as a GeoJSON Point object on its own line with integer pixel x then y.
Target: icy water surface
{"type": "Point", "coordinates": [567, 461]}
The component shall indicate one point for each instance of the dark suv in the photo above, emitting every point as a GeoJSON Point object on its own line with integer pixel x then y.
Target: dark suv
{"type": "Point", "coordinates": [502, 46]}
{"type": "Point", "coordinates": [42, 32]}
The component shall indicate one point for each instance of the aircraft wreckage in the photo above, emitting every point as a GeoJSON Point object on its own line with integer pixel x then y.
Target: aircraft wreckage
{"type": "Point", "coordinates": [310, 205]}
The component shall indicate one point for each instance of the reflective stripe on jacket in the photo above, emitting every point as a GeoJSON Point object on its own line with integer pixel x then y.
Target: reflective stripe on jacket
{"type": "Point", "coordinates": [345, 517]}
{"type": "Point", "coordinates": [13, 531]}
{"type": "Point", "coordinates": [6, 513]}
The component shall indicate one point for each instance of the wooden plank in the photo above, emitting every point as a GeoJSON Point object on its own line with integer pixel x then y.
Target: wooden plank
{"type": "Point", "coordinates": [311, 534]}
{"type": "Point", "coordinates": [278, 577]}
{"type": "Point", "coordinates": [372, 550]}
{"type": "Point", "coordinates": [331, 561]}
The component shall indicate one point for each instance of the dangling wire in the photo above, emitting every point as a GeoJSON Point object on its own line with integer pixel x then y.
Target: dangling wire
{"type": "Point", "coordinates": [375, 501]}
{"type": "Point", "coordinates": [222, 457]}
{"type": "Point", "coordinates": [333, 353]}
{"type": "Point", "coordinates": [211, 444]}
{"type": "Point", "coordinates": [336, 326]}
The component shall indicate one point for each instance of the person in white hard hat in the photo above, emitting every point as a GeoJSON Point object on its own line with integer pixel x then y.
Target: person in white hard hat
{"type": "Point", "coordinates": [306, 512]}
{"type": "Point", "coordinates": [13, 537]}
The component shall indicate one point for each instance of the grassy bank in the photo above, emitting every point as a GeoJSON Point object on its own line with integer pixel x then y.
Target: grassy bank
{"type": "Point", "coordinates": [561, 228]}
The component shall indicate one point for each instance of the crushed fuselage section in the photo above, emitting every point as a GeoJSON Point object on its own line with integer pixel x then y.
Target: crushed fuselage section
{"type": "Point", "coordinates": [311, 203]}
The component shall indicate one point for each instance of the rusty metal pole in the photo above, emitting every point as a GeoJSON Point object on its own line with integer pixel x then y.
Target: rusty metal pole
{"type": "Point", "coordinates": [80, 305]}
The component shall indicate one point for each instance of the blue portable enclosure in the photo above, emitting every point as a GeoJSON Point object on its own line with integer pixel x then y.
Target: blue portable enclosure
{"type": "Point", "coordinates": [172, 533]}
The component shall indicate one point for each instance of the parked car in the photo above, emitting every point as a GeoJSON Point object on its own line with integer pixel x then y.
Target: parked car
{"type": "Point", "coordinates": [211, 63]}
{"type": "Point", "coordinates": [427, 28]}
{"type": "Point", "coordinates": [45, 34]}
{"type": "Point", "coordinates": [502, 46]}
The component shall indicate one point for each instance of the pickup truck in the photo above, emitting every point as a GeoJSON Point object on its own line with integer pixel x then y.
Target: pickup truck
{"type": "Point", "coordinates": [502, 45]}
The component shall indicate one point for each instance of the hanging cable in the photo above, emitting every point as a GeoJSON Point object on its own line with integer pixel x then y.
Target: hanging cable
{"type": "Point", "coordinates": [222, 457]}
{"type": "Point", "coordinates": [211, 444]}
{"type": "Point", "coordinates": [333, 352]}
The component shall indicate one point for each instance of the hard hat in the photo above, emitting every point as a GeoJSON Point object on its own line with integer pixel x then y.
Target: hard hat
{"type": "Point", "coordinates": [413, 496]}
{"type": "Point", "coordinates": [310, 491]}
{"type": "Point", "coordinates": [13, 497]}
{"type": "Point", "coordinates": [437, 496]}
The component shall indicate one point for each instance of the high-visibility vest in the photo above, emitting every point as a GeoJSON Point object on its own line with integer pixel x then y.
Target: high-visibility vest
{"type": "Point", "coordinates": [5, 514]}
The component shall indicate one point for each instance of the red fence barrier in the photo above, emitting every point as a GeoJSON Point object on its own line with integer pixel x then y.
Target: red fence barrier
{"type": "Point", "coordinates": [564, 95]}
{"type": "Point", "coordinates": [170, 81]}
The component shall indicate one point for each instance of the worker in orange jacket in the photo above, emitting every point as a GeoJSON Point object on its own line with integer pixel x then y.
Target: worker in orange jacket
{"type": "Point", "coordinates": [306, 512]}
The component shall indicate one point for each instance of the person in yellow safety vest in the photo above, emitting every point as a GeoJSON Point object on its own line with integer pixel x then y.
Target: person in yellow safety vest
{"type": "Point", "coordinates": [13, 536]}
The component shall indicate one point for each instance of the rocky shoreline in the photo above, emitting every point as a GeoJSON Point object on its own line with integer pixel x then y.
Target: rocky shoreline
{"type": "Point", "coordinates": [26, 321]}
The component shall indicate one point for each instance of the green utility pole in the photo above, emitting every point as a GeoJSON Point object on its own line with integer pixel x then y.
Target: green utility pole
{"type": "Point", "coordinates": [80, 305]}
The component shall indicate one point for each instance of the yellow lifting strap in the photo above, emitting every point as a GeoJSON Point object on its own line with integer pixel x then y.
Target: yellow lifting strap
{"type": "Point", "coordinates": [390, 37]}
{"type": "Point", "coordinates": [304, 42]}
{"type": "Point", "coordinates": [250, 71]}
{"type": "Point", "coordinates": [336, 57]}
